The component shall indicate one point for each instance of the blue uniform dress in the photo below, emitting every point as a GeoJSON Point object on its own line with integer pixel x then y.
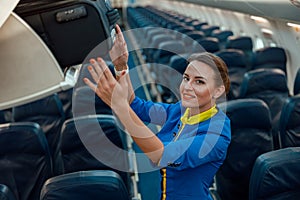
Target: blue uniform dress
{"type": "Point", "coordinates": [194, 148]}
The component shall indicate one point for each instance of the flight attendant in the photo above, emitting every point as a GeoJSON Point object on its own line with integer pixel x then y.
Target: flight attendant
{"type": "Point", "coordinates": [195, 133]}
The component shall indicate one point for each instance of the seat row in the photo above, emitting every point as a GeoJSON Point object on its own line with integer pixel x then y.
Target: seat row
{"type": "Point", "coordinates": [253, 145]}
{"type": "Point", "coordinates": [210, 37]}
{"type": "Point", "coordinates": [264, 116]}
{"type": "Point", "coordinates": [41, 144]}
{"type": "Point", "coordinates": [167, 50]}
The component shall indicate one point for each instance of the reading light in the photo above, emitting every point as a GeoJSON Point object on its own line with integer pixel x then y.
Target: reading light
{"type": "Point", "coordinates": [267, 31]}
{"type": "Point", "coordinates": [295, 26]}
{"type": "Point", "coordinates": [259, 19]}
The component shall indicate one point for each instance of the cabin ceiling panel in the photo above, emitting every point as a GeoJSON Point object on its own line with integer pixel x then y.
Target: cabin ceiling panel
{"type": "Point", "coordinates": [281, 9]}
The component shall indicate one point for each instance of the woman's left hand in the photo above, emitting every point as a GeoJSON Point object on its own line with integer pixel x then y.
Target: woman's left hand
{"type": "Point", "coordinates": [112, 92]}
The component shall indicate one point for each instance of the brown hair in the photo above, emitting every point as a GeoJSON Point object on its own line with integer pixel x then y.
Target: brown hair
{"type": "Point", "coordinates": [217, 64]}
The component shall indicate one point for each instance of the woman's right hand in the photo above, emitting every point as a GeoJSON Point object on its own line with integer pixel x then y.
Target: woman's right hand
{"type": "Point", "coordinates": [119, 52]}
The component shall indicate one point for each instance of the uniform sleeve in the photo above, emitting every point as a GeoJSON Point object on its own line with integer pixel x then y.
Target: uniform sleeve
{"type": "Point", "coordinates": [195, 151]}
{"type": "Point", "coordinates": [151, 112]}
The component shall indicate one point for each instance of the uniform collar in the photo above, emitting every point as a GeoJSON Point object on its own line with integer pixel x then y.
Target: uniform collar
{"type": "Point", "coordinates": [185, 119]}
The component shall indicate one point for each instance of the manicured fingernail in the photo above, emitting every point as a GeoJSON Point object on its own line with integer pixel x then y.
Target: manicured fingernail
{"type": "Point", "coordinates": [99, 59]}
{"type": "Point", "coordinates": [90, 67]}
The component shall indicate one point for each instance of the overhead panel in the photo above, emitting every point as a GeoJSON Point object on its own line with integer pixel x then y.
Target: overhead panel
{"type": "Point", "coordinates": [280, 9]}
{"type": "Point", "coordinates": [28, 69]}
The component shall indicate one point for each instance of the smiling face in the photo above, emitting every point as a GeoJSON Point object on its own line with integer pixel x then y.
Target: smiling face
{"type": "Point", "coordinates": [198, 88]}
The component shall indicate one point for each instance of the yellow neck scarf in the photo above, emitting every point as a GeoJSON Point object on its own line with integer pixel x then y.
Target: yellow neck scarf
{"type": "Point", "coordinates": [199, 117]}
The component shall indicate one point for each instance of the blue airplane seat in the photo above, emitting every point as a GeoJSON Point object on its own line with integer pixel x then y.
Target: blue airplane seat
{"type": "Point", "coordinates": [181, 31]}
{"type": "Point", "coordinates": [289, 124]}
{"type": "Point", "coordinates": [236, 62]}
{"type": "Point", "coordinates": [270, 57]}
{"type": "Point", "coordinates": [179, 62]}
{"type": "Point", "coordinates": [192, 36]}
{"type": "Point", "coordinates": [243, 43]}
{"type": "Point", "coordinates": [166, 50]}
{"type": "Point", "coordinates": [198, 25]}
{"type": "Point", "coordinates": [6, 116]}
{"type": "Point", "coordinates": [208, 29]}
{"type": "Point", "coordinates": [95, 142]}
{"type": "Point", "coordinates": [49, 114]}
{"type": "Point", "coordinates": [222, 36]}
{"type": "Point", "coordinates": [210, 44]}
{"type": "Point", "coordinates": [297, 83]}
{"type": "Point", "coordinates": [177, 65]}
{"type": "Point", "coordinates": [25, 161]}
{"type": "Point", "coordinates": [190, 21]}
{"type": "Point", "coordinates": [276, 175]}
{"type": "Point", "coordinates": [251, 136]}
{"type": "Point", "coordinates": [96, 184]}
{"type": "Point", "coordinates": [66, 100]}
{"type": "Point", "coordinates": [259, 83]}
{"type": "Point", "coordinates": [269, 85]}
{"type": "Point", "coordinates": [6, 193]}
{"type": "Point", "coordinates": [161, 60]}
{"type": "Point", "coordinates": [152, 47]}
{"type": "Point", "coordinates": [86, 102]}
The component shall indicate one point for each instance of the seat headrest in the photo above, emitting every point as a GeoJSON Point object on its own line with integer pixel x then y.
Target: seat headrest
{"type": "Point", "coordinates": [289, 125]}
{"type": "Point", "coordinates": [50, 105]}
{"type": "Point", "coordinates": [297, 83]}
{"type": "Point", "coordinates": [172, 46]}
{"type": "Point", "coordinates": [256, 81]}
{"type": "Point", "coordinates": [207, 29]}
{"type": "Point", "coordinates": [275, 175]}
{"type": "Point", "coordinates": [247, 113]}
{"type": "Point", "coordinates": [233, 57]}
{"type": "Point", "coordinates": [198, 25]}
{"type": "Point", "coordinates": [196, 35]}
{"type": "Point", "coordinates": [86, 102]}
{"type": "Point", "coordinates": [239, 42]}
{"type": "Point", "coordinates": [210, 44]}
{"type": "Point", "coordinates": [179, 62]}
{"type": "Point", "coordinates": [270, 54]}
{"type": "Point", "coordinates": [222, 35]}
{"type": "Point", "coordinates": [85, 185]}
{"type": "Point", "coordinates": [270, 57]}
{"type": "Point", "coordinates": [157, 39]}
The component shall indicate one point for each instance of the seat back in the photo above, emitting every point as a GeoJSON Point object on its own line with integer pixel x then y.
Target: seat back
{"type": "Point", "coordinates": [86, 102]}
{"type": "Point", "coordinates": [210, 44]}
{"type": "Point", "coordinates": [243, 43]}
{"type": "Point", "coordinates": [95, 142]}
{"type": "Point", "coordinates": [276, 175]}
{"type": "Point", "coordinates": [49, 114]}
{"type": "Point", "coordinates": [270, 57]}
{"type": "Point", "coordinates": [66, 100]}
{"type": "Point", "coordinates": [208, 29]}
{"type": "Point", "coordinates": [6, 116]}
{"type": "Point", "coordinates": [25, 162]}
{"type": "Point", "coordinates": [251, 136]}
{"type": "Point", "coordinates": [259, 84]}
{"type": "Point", "coordinates": [198, 25]}
{"type": "Point", "coordinates": [236, 62]}
{"type": "Point", "coordinates": [166, 50]}
{"type": "Point", "coordinates": [189, 37]}
{"type": "Point", "coordinates": [101, 184]}
{"type": "Point", "coordinates": [6, 193]}
{"type": "Point", "coordinates": [222, 36]}
{"type": "Point", "coordinates": [289, 124]}
{"type": "Point", "coordinates": [297, 83]}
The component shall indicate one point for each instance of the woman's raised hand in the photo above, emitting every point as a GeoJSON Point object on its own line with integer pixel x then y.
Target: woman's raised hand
{"type": "Point", "coordinates": [114, 93]}
{"type": "Point", "coordinates": [119, 52]}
